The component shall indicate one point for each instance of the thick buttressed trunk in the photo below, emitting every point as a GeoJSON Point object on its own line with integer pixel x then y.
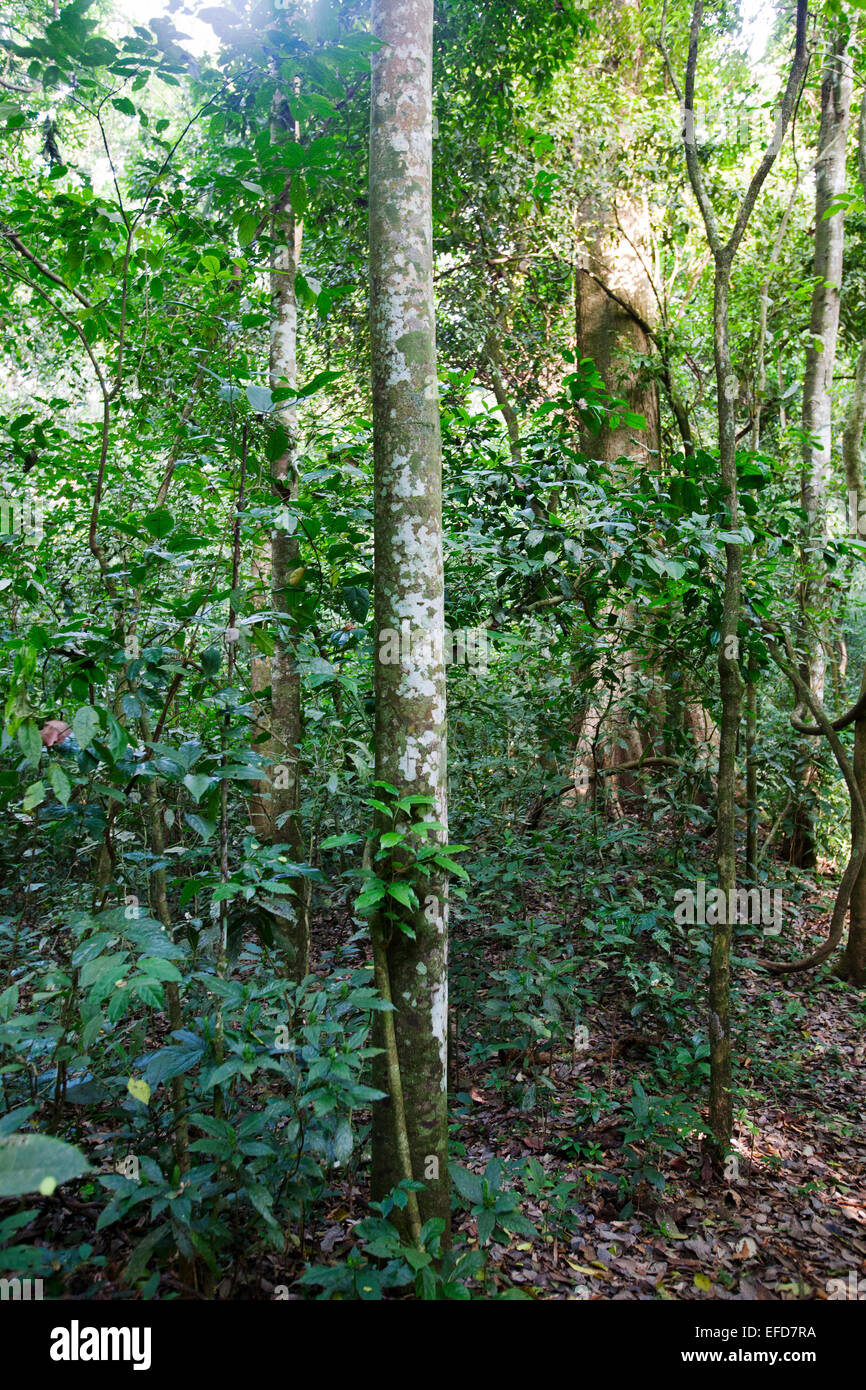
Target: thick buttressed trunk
{"type": "Point", "coordinates": [409, 590]}
{"type": "Point", "coordinates": [817, 399]}
{"type": "Point", "coordinates": [275, 805]}
{"type": "Point", "coordinates": [616, 260]}
{"type": "Point", "coordinates": [615, 269]}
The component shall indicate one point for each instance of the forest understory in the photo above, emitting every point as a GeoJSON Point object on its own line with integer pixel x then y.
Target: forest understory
{"type": "Point", "coordinates": [433, 662]}
{"type": "Point", "coordinates": [622, 1197]}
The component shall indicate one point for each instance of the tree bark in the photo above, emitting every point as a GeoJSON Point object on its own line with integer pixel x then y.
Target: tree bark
{"type": "Point", "coordinates": [409, 589]}
{"type": "Point", "coordinates": [275, 805]}
{"type": "Point", "coordinates": [852, 966]}
{"type": "Point", "coordinates": [752, 809]}
{"type": "Point", "coordinates": [721, 1115]}
{"type": "Point", "coordinates": [817, 402]}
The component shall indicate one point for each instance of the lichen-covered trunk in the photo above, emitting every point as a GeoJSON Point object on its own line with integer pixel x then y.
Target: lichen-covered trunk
{"type": "Point", "coordinates": [817, 399]}
{"type": "Point", "coordinates": [409, 592]}
{"type": "Point", "coordinates": [274, 807]}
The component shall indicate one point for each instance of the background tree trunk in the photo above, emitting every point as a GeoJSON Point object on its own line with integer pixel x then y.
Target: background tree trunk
{"type": "Point", "coordinates": [274, 808]}
{"type": "Point", "coordinates": [817, 402]}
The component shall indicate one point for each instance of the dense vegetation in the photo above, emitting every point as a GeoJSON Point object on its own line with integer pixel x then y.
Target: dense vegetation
{"type": "Point", "coordinates": [298, 427]}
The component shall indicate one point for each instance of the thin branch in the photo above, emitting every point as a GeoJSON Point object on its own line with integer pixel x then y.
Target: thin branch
{"type": "Point", "coordinates": [18, 245]}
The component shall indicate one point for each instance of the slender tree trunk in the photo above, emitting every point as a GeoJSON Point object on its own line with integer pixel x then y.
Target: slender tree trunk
{"type": "Point", "coordinates": [731, 690]}
{"type": "Point", "coordinates": [855, 421]}
{"type": "Point", "coordinates": [852, 966]}
{"type": "Point", "coordinates": [275, 807]}
{"type": "Point", "coordinates": [817, 401]}
{"type": "Point", "coordinates": [730, 682]}
{"type": "Point", "coordinates": [410, 696]}
{"type": "Point", "coordinates": [751, 771]}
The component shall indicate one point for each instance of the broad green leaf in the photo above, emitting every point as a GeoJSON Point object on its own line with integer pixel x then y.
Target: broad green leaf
{"type": "Point", "coordinates": [159, 523]}
{"type": "Point", "coordinates": [60, 783]}
{"type": "Point", "coordinates": [28, 1160]}
{"type": "Point", "coordinates": [197, 783]}
{"type": "Point", "coordinates": [30, 741]}
{"type": "Point", "coordinates": [34, 796]}
{"type": "Point", "coordinates": [85, 725]}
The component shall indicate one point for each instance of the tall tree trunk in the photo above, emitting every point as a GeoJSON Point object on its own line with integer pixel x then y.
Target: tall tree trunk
{"type": "Point", "coordinates": [853, 963]}
{"type": "Point", "coordinates": [616, 261]}
{"type": "Point", "coordinates": [852, 966]}
{"type": "Point", "coordinates": [274, 808]}
{"type": "Point", "coordinates": [613, 300]}
{"type": "Point", "coordinates": [855, 420]}
{"type": "Point", "coordinates": [817, 386]}
{"type": "Point", "coordinates": [752, 809]}
{"type": "Point", "coordinates": [730, 682]}
{"type": "Point", "coordinates": [410, 696]}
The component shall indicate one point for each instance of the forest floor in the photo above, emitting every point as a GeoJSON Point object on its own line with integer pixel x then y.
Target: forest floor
{"type": "Point", "coordinates": [788, 1222]}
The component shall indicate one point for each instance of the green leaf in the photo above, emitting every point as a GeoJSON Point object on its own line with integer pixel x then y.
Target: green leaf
{"type": "Point", "coordinates": [451, 865]}
{"type": "Point", "coordinates": [202, 827]}
{"type": "Point", "coordinates": [159, 523]}
{"type": "Point", "coordinates": [247, 228]}
{"type": "Point", "coordinates": [341, 841]}
{"type": "Point", "coordinates": [85, 724]}
{"type": "Point", "coordinates": [403, 894]}
{"type": "Point", "coordinates": [298, 195]}
{"type": "Point", "coordinates": [260, 399]}
{"type": "Point", "coordinates": [30, 741]}
{"type": "Point", "coordinates": [28, 1160]}
{"type": "Point", "coordinates": [467, 1184]}
{"type": "Point", "coordinates": [60, 783]}
{"type": "Point", "coordinates": [34, 796]}
{"type": "Point", "coordinates": [369, 899]}
{"type": "Point", "coordinates": [197, 783]}
{"type": "Point", "coordinates": [391, 838]}
{"type": "Point", "coordinates": [357, 601]}
{"type": "Point", "coordinates": [485, 1221]}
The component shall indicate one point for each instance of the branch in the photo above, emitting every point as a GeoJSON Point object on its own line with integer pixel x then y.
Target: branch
{"type": "Point", "coordinates": [637, 764]}
{"type": "Point", "coordinates": [789, 101]}
{"type": "Point", "coordinates": [693, 164]}
{"type": "Point", "coordinates": [18, 245]}
{"type": "Point", "coordinates": [857, 711]}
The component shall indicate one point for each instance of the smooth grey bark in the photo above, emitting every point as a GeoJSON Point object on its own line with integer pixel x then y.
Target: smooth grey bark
{"type": "Point", "coordinates": [409, 591]}
{"type": "Point", "coordinates": [836, 88]}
